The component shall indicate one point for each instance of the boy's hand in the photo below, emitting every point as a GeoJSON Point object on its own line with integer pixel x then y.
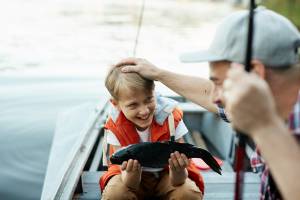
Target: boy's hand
{"type": "Point", "coordinates": [131, 173]}
{"type": "Point", "coordinates": [178, 164]}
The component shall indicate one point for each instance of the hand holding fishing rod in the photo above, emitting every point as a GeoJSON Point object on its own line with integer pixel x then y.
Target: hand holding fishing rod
{"type": "Point", "coordinates": [248, 89]}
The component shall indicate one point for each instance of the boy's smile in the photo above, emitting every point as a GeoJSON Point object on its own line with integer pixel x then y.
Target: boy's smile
{"type": "Point", "coordinates": [138, 106]}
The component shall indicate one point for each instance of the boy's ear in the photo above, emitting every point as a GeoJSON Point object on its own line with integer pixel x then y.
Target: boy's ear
{"type": "Point", "coordinates": [114, 102]}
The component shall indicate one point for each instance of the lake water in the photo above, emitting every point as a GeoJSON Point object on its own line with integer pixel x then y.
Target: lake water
{"type": "Point", "coordinates": [54, 55]}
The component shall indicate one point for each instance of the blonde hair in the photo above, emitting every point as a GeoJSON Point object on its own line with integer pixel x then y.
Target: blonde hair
{"type": "Point", "coordinates": [116, 81]}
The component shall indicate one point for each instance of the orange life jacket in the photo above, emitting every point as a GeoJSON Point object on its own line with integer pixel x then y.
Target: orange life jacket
{"type": "Point", "coordinates": [126, 133]}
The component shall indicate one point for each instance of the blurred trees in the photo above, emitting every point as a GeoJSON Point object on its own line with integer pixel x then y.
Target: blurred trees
{"type": "Point", "coordinates": [288, 8]}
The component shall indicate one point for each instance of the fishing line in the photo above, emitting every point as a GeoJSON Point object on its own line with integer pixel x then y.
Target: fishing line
{"type": "Point", "coordinates": [140, 22]}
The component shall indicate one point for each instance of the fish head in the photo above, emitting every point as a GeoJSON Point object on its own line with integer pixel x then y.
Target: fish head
{"type": "Point", "coordinates": [120, 156]}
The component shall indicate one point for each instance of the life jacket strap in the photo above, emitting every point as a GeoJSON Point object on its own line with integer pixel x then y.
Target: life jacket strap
{"type": "Point", "coordinates": [104, 148]}
{"type": "Point", "coordinates": [171, 124]}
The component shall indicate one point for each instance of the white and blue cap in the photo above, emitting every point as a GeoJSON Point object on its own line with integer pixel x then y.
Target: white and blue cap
{"type": "Point", "coordinates": [276, 40]}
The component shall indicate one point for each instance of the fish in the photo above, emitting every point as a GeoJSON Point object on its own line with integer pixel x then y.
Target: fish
{"type": "Point", "coordinates": [156, 154]}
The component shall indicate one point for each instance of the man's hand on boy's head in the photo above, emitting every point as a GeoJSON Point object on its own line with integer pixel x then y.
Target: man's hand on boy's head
{"type": "Point", "coordinates": [127, 61]}
{"type": "Point", "coordinates": [140, 66]}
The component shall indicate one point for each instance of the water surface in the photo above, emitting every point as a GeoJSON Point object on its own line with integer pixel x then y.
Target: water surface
{"type": "Point", "coordinates": [54, 55]}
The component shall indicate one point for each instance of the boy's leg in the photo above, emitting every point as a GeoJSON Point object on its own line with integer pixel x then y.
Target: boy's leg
{"type": "Point", "coordinates": [148, 184]}
{"type": "Point", "coordinates": [188, 190]}
{"type": "Point", "coordinates": [116, 190]}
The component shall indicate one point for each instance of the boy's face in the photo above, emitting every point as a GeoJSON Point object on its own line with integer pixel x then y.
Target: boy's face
{"type": "Point", "coordinates": [138, 106]}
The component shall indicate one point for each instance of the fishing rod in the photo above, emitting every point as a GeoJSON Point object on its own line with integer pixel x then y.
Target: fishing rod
{"type": "Point", "coordinates": [242, 138]}
{"type": "Point", "coordinates": [140, 22]}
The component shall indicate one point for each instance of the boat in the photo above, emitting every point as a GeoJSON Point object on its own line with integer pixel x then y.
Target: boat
{"type": "Point", "coordinates": [74, 173]}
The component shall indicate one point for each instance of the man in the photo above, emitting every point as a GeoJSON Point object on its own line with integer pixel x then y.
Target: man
{"type": "Point", "coordinates": [265, 126]}
{"type": "Point", "coordinates": [274, 59]}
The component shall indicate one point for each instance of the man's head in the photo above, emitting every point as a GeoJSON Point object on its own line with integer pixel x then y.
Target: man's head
{"type": "Point", "coordinates": [284, 84]}
{"type": "Point", "coordinates": [275, 40]}
{"type": "Point", "coordinates": [133, 95]}
{"type": "Point", "coordinates": [276, 43]}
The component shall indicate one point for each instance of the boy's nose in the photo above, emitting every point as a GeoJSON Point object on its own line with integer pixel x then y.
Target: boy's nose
{"type": "Point", "coordinates": [144, 111]}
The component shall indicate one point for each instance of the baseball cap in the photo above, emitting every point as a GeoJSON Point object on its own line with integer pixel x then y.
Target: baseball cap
{"type": "Point", "coordinates": [276, 40]}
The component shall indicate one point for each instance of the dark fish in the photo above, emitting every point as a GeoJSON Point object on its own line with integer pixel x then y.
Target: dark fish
{"type": "Point", "coordinates": [156, 154]}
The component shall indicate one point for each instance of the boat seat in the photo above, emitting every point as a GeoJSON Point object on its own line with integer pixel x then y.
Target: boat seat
{"type": "Point", "coordinates": [216, 187]}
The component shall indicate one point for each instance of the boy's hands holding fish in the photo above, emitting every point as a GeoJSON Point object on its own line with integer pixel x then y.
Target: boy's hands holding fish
{"type": "Point", "coordinates": [178, 172]}
{"type": "Point", "coordinates": [131, 173]}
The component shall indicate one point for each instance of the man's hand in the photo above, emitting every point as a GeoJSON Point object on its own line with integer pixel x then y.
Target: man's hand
{"type": "Point", "coordinates": [249, 102]}
{"type": "Point", "coordinates": [131, 173]}
{"type": "Point", "coordinates": [140, 66]}
{"type": "Point", "coordinates": [178, 172]}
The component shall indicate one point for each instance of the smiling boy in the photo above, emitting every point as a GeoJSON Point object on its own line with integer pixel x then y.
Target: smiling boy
{"type": "Point", "coordinates": [139, 115]}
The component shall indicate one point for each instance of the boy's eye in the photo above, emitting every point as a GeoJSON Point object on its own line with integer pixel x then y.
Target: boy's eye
{"type": "Point", "coordinates": [132, 106]}
{"type": "Point", "coordinates": [149, 99]}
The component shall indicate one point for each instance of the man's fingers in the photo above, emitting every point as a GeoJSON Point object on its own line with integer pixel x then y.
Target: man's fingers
{"type": "Point", "coordinates": [130, 68]}
{"type": "Point", "coordinates": [235, 73]}
{"type": "Point", "coordinates": [227, 84]}
{"type": "Point", "coordinates": [236, 65]}
{"type": "Point", "coordinates": [127, 61]}
{"type": "Point", "coordinates": [235, 78]}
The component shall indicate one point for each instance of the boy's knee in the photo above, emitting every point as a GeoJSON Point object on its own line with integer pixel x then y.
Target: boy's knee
{"type": "Point", "coordinates": [116, 190]}
{"type": "Point", "coordinates": [188, 190]}
{"type": "Point", "coordinates": [186, 194]}
{"type": "Point", "coordinates": [190, 194]}
{"type": "Point", "coordinates": [118, 193]}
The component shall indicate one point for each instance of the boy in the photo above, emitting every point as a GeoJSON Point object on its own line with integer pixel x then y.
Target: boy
{"type": "Point", "coordinates": [139, 116]}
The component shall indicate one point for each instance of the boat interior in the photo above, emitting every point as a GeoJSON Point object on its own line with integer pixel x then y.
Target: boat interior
{"type": "Point", "coordinates": [206, 130]}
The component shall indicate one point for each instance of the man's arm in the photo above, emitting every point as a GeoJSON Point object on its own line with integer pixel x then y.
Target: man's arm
{"type": "Point", "coordinates": [282, 154]}
{"type": "Point", "coordinates": [196, 89]}
{"type": "Point", "coordinates": [251, 108]}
